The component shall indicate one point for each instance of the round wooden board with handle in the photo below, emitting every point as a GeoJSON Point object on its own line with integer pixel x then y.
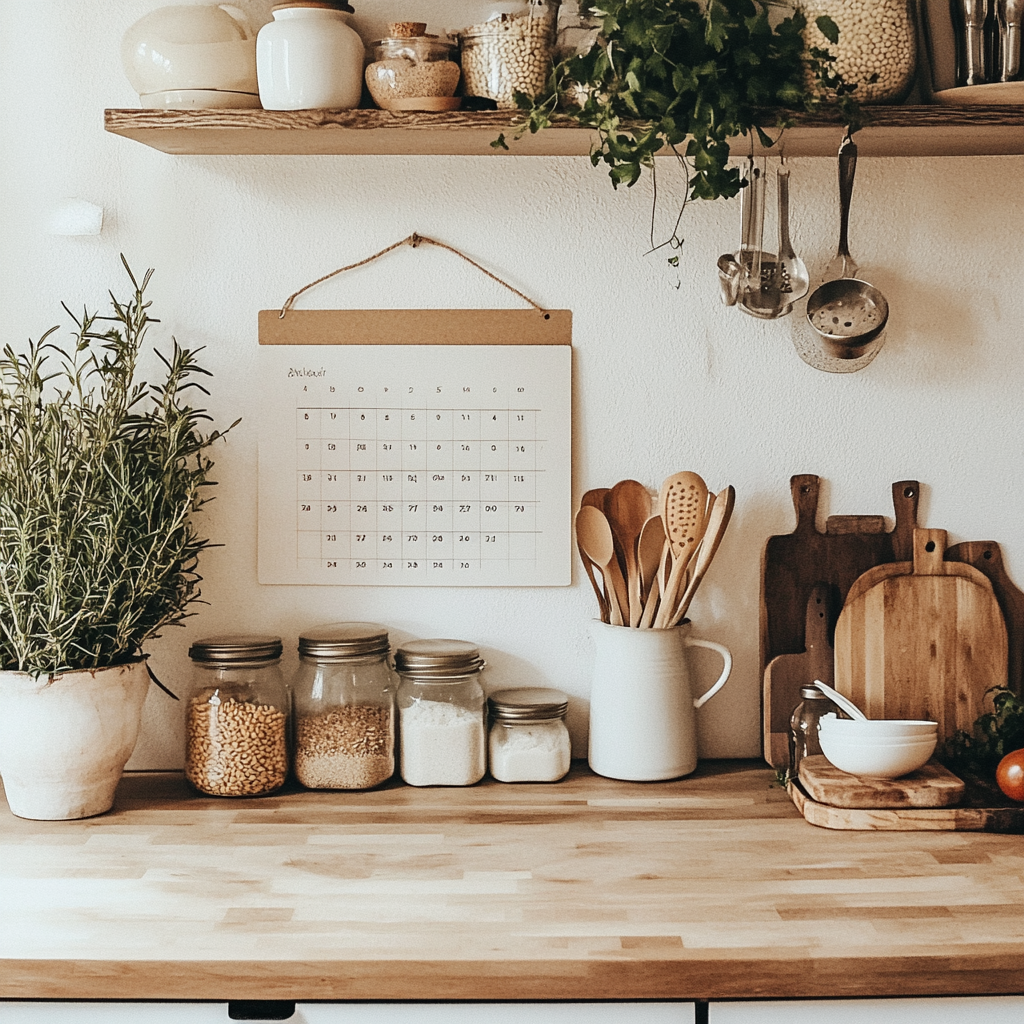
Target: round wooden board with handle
{"type": "Point", "coordinates": [925, 644]}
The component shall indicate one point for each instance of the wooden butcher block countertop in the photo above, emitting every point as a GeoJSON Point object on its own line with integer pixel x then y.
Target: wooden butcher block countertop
{"type": "Point", "coordinates": [707, 887]}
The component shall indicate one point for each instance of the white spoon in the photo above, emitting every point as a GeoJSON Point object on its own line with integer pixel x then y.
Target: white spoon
{"type": "Point", "coordinates": [844, 702]}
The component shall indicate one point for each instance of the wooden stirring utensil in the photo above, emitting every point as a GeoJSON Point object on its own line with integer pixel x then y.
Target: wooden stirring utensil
{"type": "Point", "coordinates": [648, 554]}
{"type": "Point", "coordinates": [595, 499]}
{"type": "Point", "coordinates": [594, 536]}
{"type": "Point", "coordinates": [627, 507]}
{"type": "Point", "coordinates": [721, 513]}
{"type": "Point", "coordinates": [682, 502]}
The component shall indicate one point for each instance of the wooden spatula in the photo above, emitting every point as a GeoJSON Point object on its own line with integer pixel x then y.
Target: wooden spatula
{"type": "Point", "coordinates": [628, 507]}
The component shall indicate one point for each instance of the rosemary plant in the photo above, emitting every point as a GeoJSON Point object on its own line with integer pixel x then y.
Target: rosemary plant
{"type": "Point", "coordinates": [100, 480]}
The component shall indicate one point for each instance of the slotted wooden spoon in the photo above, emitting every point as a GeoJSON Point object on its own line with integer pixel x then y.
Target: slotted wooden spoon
{"type": "Point", "coordinates": [682, 505]}
{"type": "Point", "coordinates": [628, 507]}
{"type": "Point", "coordinates": [718, 520]}
{"type": "Point", "coordinates": [594, 536]}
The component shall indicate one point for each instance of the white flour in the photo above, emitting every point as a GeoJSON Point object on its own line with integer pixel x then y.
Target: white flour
{"type": "Point", "coordinates": [529, 753]}
{"type": "Point", "coordinates": [441, 744]}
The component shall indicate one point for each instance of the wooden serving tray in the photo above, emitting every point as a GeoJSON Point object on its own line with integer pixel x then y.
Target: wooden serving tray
{"type": "Point", "coordinates": [930, 786]}
{"type": "Point", "coordinates": [980, 811]}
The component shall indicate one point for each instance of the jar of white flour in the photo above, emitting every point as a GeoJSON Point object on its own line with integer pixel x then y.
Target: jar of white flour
{"type": "Point", "coordinates": [441, 713]}
{"type": "Point", "coordinates": [529, 741]}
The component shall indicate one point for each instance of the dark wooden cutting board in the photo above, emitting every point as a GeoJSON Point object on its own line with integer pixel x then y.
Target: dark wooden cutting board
{"type": "Point", "coordinates": [987, 557]}
{"type": "Point", "coordinates": [793, 563]}
{"type": "Point", "coordinates": [787, 673]}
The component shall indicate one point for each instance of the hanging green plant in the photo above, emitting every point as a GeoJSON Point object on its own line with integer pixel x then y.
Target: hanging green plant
{"type": "Point", "coordinates": [686, 77]}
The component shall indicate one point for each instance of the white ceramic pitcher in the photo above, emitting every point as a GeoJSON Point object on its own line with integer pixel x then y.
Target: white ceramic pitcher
{"type": "Point", "coordinates": [643, 725]}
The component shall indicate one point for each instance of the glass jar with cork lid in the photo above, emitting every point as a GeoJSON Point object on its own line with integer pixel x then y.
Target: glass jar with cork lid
{"type": "Point", "coordinates": [441, 713]}
{"type": "Point", "coordinates": [411, 70]}
{"type": "Point", "coordinates": [344, 707]}
{"type": "Point", "coordinates": [236, 730]}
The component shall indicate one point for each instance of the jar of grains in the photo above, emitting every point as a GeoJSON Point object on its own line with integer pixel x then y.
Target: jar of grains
{"type": "Point", "coordinates": [344, 708]}
{"type": "Point", "coordinates": [528, 740]}
{"type": "Point", "coordinates": [877, 48]}
{"type": "Point", "coordinates": [412, 72]}
{"type": "Point", "coordinates": [510, 53]}
{"type": "Point", "coordinates": [236, 731]}
{"type": "Point", "coordinates": [441, 713]}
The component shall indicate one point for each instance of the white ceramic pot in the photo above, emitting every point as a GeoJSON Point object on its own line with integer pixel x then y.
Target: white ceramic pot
{"type": "Point", "coordinates": [643, 725]}
{"type": "Point", "coordinates": [192, 55]}
{"type": "Point", "coordinates": [309, 57]}
{"type": "Point", "coordinates": [65, 739]}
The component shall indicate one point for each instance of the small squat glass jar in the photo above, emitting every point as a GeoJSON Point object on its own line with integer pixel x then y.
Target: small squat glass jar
{"type": "Point", "coordinates": [441, 713]}
{"type": "Point", "coordinates": [236, 730]}
{"type": "Point", "coordinates": [803, 726]}
{"type": "Point", "coordinates": [529, 741]}
{"type": "Point", "coordinates": [344, 708]}
{"type": "Point", "coordinates": [413, 73]}
{"type": "Point", "coordinates": [877, 48]}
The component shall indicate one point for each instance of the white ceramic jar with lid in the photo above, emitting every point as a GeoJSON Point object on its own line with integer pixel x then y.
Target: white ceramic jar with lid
{"type": "Point", "coordinates": [441, 713]}
{"type": "Point", "coordinates": [344, 707]}
{"type": "Point", "coordinates": [310, 57]}
{"type": "Point", "coordinates": [529, 741]}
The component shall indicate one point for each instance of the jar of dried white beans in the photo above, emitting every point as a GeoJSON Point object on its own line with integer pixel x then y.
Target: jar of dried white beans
{"type": "Point", "coordinates": [877, 48]}
{"type": "Point", "coordinates": [440, 713]}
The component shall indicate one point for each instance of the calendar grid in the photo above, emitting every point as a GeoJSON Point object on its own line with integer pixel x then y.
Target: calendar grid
{"type": "Point", "coordinates": [389, 486]}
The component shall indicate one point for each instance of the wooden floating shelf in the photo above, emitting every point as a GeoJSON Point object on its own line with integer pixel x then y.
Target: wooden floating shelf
{"type": "Point", "coordinates": [889, 131]}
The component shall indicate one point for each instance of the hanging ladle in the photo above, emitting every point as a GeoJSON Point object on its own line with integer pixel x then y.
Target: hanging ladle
{"type": "Point", "coordinates": [847, 314]}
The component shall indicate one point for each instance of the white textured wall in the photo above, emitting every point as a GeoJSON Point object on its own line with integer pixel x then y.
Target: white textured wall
{"type": "Point", "coordinates": [665, 377]}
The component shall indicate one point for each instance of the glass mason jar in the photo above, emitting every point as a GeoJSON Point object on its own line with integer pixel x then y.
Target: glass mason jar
{"type": "Point", "coordinates": [236, 730]}
{"type": "Point", "coordinates": [441, 713]}
{"type": "Point", "coordinates": [877, 46]}
{"type": "Point", "coordinates": [344, 707]}
{"type": "Point", "coordinates": [803, 725]}
{"type": "Point", "coordinates": [529, 741]}
{"type": "Point", "coordinates": [512, 52]}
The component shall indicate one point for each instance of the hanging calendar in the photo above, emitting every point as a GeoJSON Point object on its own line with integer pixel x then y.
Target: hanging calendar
{"type": "Point", "coordinates": [415, 448]}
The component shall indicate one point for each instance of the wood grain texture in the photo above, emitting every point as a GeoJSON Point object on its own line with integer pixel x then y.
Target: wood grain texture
{"type": "Point", "coordinates": [787, 673]}
{"type": "Point", "coordinates": [924, 645]}
{"type": "Point", "coordinates": [425, 326]}
{"type": "Point", "coordinates": [793, 564]}
{"type": "Point", "coordinates": [706, 887]}
{"type": "Point", "coordinates": [986, 556]}
{"type": "Point", "coordinates": [930, 786]}
{"type": "Point", "coordinates": [888, 131]}
{"type": "Point", "coordinates": [964, 818]}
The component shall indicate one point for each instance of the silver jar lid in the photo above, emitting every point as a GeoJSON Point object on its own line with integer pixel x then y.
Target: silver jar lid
{"type": "Point", "coordinates": [343, 640]}
{"type": "Point", "coordinates": [812, 693]}
{"type": "Point", "coordinates": [438, 659]}
{"type": "Point", "coordinates": [236, 647]}
{"type": "Point", "coordinates": [528, 704]}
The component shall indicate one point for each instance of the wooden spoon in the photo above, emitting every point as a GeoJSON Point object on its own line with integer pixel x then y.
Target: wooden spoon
{"type": "Point", "coordinates": [594, 536]}
{"type": "Point", "coordinates": [718, 520]}
{"type": "Point", "coordinates": [648, 556]}
{"type": "Point", "coordinates": [681, 503]}
{"type": "Point", "coordinates": [595, 499]}
{"type": "Point", "coordinates": [628, 507]}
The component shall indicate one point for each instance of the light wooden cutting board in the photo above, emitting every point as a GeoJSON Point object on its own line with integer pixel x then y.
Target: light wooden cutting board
{"type": "Point", "coordinates": [924, 644]}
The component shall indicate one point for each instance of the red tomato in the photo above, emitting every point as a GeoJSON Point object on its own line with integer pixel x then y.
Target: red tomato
{"type": "Point", "coordinates": [1010, 775]}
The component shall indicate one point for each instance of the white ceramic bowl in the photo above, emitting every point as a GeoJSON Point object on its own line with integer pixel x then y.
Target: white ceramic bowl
{"type": "Point", "coordinates": [881, 759]}
{"type": "Point", "coordinates": [877, 729]}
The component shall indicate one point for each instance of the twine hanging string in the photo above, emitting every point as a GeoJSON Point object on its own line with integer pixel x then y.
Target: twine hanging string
{"type": "Point", "coordinates": [414, 240]}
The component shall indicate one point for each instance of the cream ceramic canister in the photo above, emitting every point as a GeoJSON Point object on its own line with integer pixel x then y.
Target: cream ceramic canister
{"type": "Point", "coordinates": [643, 723]}
{"type": "Point", "coordinates": [309, 57]}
